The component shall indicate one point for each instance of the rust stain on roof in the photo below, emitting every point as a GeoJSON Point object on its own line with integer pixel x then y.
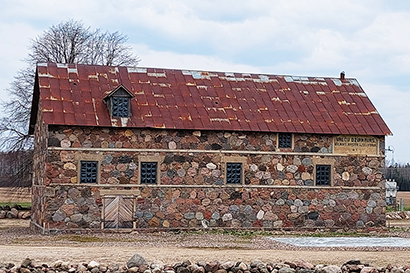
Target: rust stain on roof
{"type": "Point", "coordinates": [200, 100]}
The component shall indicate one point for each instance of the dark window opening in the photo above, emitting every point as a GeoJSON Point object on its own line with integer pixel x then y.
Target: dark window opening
{"type": "Point", "coordinates": [149, 172]}
{"type": "Point", "coordinates": [120, 107]}
{"type": "Point", "coordinates": [233, 173]}
{"type": "Point", "coordinates": [323, 175]}
{"type": "Point", "coordinates": [89, 172]}
{"type": "Point", "coordinates": [285, 140]}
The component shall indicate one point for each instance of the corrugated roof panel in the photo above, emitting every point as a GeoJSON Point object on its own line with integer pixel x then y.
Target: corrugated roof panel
{"type": "Point", "coordinates": [65, 118]}
{"type": "Point", "coordinates": [208, 100]}
{"type": "Point", "coordinates": [80, 118]}
{"type": "Point", "coordinates": [44, 82]}
{"type": "Point", "coordinates": [298, 126]}
{"type": "Point", "coordinates": [68, 107]}
{"type": "Point", "coordinates": [63, 73]}
{"type": "Point", "coordinates": [52, 71]}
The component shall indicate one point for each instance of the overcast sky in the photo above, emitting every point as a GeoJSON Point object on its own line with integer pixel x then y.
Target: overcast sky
{"type": "Point", "coordinates": [369, 39]}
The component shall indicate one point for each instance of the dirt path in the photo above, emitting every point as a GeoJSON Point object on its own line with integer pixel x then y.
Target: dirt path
{"type": "Point", "coordinates": [121, 255]}
{"type": "Point", "coordinates": [17, 242]}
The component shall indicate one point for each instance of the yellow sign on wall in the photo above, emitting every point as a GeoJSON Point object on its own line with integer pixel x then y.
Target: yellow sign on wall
{"type": "Point", "coordinates": [350, 144]}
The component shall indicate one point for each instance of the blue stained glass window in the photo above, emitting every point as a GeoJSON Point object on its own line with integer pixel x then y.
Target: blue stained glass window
{"type": "Point", "coordinates": [323, 175]}
{"type": "Point", "coordinates": [233, 173]}
{"type": "Point", "coordinates": [120, 107]}
{"type": "Point", "coordinates": [285, 140]}
{"type": "Point", "coordinates": [88, 171]}
{"type": "Point", "coordinates": [149, 172]}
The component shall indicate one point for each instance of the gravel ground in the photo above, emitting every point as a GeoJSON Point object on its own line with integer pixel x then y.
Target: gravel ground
{"type": "Point", "coordinates": [17, 242]}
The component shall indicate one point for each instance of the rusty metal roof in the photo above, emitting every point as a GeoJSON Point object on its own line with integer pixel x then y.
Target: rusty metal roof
{"type": "Point", "coordinates": [183, 99]}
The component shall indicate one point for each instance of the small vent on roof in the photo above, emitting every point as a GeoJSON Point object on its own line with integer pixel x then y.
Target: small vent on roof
{"type": "Point", "coordinates": [342, 75]}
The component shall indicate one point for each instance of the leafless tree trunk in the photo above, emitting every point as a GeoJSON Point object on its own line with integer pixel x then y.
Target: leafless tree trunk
{"type": "Point", "coordinates": [14, 126]}
{"type": "Point", "coordinates": [15, 169]}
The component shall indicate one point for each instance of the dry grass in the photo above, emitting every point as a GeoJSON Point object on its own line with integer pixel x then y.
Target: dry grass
{"type": "Point", "coordinates": [405, 195]}
{"type": "Point", "coordinates": [15, 195]}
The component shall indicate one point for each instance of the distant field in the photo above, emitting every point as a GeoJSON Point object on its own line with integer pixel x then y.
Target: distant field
{"type": "Point", "coordinates": [12, 195]}
{"type": "Point", "coordinates": [406, 197]}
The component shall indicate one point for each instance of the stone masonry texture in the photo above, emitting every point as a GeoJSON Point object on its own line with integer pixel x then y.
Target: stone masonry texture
{"type": "Point", "coordinates": [278, 189]}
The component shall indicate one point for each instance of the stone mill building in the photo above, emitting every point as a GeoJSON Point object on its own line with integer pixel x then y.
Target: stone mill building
{"type": "Point", "coordinates": [161, 149]}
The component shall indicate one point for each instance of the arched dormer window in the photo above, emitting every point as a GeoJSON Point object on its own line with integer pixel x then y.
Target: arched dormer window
{"type": "Point", "coordinates": [118, 102]}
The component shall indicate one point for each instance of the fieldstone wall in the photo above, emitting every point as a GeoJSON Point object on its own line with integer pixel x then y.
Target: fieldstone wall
{"type": "Point", "coordinates": [258, 208]}
{"type": "Point", "coordinates": [278, 191]}
{"type": "Point", "coordinates": [180, 168]}
{"type": "Point", "coordinates": [15, 212]}
{"type": "Point", "coordinates": [74, 207]}
{"type": "Point", "coordinates": [94, 137]}
{"type": "Point", "coordinates": [202, 168]}
{"type": "Point", "coordinates": [39, 170]}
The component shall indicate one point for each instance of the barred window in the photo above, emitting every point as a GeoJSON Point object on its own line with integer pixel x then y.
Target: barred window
{"type": "Point", "coordinates": [233, 173]}
{"type": "Point", "coordinates": [120, 107]}
{"type": "Point", "coordinates": [149, 172]}
{"type": "Point", "coordinates": [88, 171]}
{"type": "Point", "coordinates": [285, 140]}
{"type": "Point", "coordinates": [323, 175]}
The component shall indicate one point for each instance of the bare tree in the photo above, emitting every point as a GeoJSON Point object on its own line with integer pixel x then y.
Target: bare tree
{"type": "Point", "coordinates": [67, 42]}
{"type": "Point", "coordinates": [14, 170]}
{"type": "Point", "coordinates": [71, 42]}
{"type": "Point", "coordinates": [14, 124]}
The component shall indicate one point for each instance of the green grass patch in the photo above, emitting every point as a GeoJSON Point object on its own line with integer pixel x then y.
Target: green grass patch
{"type": "Point", "coordinates": [397, 208]}
{"type": "Point", "coordinates": [25, 205]}
{"type": "Point", "coordinates": [250, 234]}
{"type": "Point", "coordinates": [245, 234]}
{"type": "Point", "coordinates": [62, 239]}
{"type": "Point", "coordinates": [406, 208]}
{"type": "Point", "coordinates": [399, 229]}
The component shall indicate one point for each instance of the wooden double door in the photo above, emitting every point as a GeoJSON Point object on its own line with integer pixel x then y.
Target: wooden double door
{"type": "Point", "coordinates": [118, 211]}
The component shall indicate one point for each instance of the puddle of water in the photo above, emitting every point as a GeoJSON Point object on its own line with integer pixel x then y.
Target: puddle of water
{"type": "Point", "coordinates": [344, 241]}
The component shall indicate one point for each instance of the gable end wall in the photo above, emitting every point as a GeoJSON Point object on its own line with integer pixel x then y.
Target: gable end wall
{"type": "Point", "coordinates": [39, 173]}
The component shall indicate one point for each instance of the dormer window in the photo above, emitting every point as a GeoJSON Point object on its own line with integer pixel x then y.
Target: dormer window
{"type": "Point", "coordinates": [118, 102]}
{"type": "Point", "coordinates": [120, 107]}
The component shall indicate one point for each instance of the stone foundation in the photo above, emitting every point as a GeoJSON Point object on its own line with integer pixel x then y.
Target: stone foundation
{"type": "Point", "coordinates": [74, 207]}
